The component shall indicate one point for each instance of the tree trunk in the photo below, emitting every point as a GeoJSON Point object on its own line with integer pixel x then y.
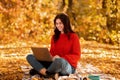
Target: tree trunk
{"type": "Point", "coordinates": [70, 2]}
{"type": "Point", "coordinates": [111, 16]}
{"type": "Point", "coordinates": [62, 5]}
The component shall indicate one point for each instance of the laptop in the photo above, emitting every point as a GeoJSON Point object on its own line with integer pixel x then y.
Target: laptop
{"type": "Point", "coordinates": [41, 53]}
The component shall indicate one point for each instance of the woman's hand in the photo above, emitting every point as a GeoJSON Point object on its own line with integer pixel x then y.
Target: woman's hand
{"type": "Point", "coordinates": [55, 57]}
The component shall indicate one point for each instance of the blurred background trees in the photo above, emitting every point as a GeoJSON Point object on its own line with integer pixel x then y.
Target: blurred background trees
{"type": "Point", "coordinates": [32, 20]}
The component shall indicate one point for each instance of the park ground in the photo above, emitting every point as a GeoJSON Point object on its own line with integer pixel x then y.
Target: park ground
{"type": "Point", "coordinates": [103, 56]}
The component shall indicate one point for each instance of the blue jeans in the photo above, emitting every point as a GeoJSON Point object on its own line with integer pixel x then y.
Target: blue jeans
{"type": "Point", "coordinates": [59, 65]}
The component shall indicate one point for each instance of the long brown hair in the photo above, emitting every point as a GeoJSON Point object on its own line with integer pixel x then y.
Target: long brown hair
{"type": "Point", "coordinates": [67, 26]}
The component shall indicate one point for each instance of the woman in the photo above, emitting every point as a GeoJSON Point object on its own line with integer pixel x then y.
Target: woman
{"type": "Point", "coordinates": [65, 50]}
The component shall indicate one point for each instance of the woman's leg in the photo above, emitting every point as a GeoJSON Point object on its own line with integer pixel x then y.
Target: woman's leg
{"type": "Point", "coordinates": [37, 65]}
{"type": "Point", "coordinates": [61, 66]}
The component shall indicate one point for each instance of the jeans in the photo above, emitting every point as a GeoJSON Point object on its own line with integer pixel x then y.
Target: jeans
{"type": "Point", "coordinates": [59, 65]}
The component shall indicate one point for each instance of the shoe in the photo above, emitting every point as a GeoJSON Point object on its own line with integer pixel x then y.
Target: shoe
{"type": "Point", "coordinates": [51, 75]}
{"type": "Point", "coordinates": [33, 72]}
{"type": "Point", "coordinates": [63, 74]}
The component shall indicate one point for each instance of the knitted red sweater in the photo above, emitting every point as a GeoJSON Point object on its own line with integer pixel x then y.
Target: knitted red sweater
{"type": "Point", "coordinates": [69, 49]}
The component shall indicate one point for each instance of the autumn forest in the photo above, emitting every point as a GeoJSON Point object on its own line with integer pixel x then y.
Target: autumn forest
{"type": "Point", "coordinates": [28, 23]}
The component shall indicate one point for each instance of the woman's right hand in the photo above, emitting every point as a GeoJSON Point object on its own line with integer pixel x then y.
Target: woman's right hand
{"type": "Point", "coordinates": [55, 57]}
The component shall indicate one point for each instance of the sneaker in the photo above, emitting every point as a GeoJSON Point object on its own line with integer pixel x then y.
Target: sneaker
{"type": "Point", "coordinates": [33, 72]}
{"type": "Point", "coordinates": [52, 75]}
{"type": "Point", "coordinates": [63, 74]}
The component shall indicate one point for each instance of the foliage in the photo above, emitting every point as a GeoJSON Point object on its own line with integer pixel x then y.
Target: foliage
{"type": "Point", "coordinates": [97, 21]}
{"type": "Point", "coordinates": [105, 57]}
{"type": "Point", "coordinates": [26, 20]}
{"type": "Point", "coordinates": [33, 19]}
{"type": "Point", "coordinates": [26, 23]}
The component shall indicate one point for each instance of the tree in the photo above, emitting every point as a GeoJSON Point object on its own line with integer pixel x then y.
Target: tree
{"type": "Point", "coordinates": [109, 8]}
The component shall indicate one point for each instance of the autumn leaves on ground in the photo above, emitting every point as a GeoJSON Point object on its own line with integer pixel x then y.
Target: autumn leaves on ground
{"type": "Point", "coordinates": [103, 56]}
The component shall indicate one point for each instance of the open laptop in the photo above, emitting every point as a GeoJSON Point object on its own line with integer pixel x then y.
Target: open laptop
{"type": "Point", "coordinates": [41, 53]}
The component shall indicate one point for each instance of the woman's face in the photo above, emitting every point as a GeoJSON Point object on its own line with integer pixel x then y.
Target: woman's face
{"type": "Point", "coordinates": [59, 25]}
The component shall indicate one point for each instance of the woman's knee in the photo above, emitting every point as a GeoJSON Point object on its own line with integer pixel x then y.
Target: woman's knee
{"type": "Point", "coordinates": [29, 57]}
{"type": "Point", "coordinates": [60, 60]}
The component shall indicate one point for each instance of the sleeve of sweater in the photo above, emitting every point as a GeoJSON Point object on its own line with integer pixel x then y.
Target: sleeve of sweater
{"type": "Point", "coordinates": [52, 47]}
{"type": "Point", "coordinates": [75, 54]}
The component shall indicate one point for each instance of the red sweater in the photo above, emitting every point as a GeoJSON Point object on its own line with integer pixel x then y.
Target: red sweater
{"type": "Point", "coordinates": [69, 49]}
